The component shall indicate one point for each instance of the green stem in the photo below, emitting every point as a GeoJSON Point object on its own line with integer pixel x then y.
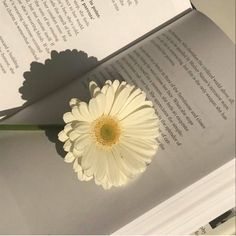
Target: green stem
{"type": "Point", "coordinates": [30, 127]}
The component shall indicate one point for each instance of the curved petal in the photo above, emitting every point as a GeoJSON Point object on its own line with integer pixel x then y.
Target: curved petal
{"type": "Point", "coordinates": [115, 84]}
{"type": "Point", "coordinates": [141, 133]}
{"type": "Point", "coordinates": [62, 136]}
{"type": "Point", "coordinates": [81, 176]}
{"type": "Point", "coordinates": [68, 117]}
{"type": "Point", "coordinates": [67, 145]}
{"type": "Point", "coordinates": [114, 174]}
{"type": "Point", "coordinates": [134, 165]}
{"type": "Point", "coordinates": [101, 164]}
{"type": "Point", "coordinates": [97, 106]}
{"type": "Point", "coordinates": [74, 102]}
{"type": "Point", "coordinates": [68, 128]}
{"type": "Point", "coordinates": [76, 166]}
{"type": "Point", "coordinates": [69, 157]}
{"type": "Point", "coordinates": [109, 99]}
{"type": "Point", "coordinates": [120, 100]}
{"type": "Point", "coordinates": [82, 127]}
{"type": "Point", "coordinates": [93, 88]}
{"type": "Point", "coordinates": [88, 160]}
{"type": "Point", "coordinates": [77, 152]}
{"type": "Point", "coordinates": [120, 163]}
{"type": "Point", "coordinates": [104, 182]}
{"type": "Point", "coordinates": [137, 103]}
{"type": "Point", "coordinates": [139, 150]}
{"type": "Point", "coordinates": [101, 104]}
{"type": "Point", "coordinates": [82, 141]}
{"type": "Point", "coordinates": [84, 111]}
{"type": "Point", "coordinates": [140, 116]}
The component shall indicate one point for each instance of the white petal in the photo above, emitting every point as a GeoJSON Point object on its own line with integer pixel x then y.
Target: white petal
{"type": "Point", "coordinates": [80, 128]}
{"type": "Point", "coordinates": [141, 133]}
{"type": "Point", "coordinates": [120, 100]}
{"type": "Point", "coordinates": [80, 175]}
{"type": "Point", "coordinates": [82, 141]}
{"type": "Point", "coordinates": [76, 113]}
{"type": "Point", "coordinates": [68, 117]}
{"type": "Point", "coordinates": [88, 159]}
{"type": "Point", "coordinates": [77, 152]}
{"type": "Point", "coordinates": [76, 166]}
{"type": "Point", "coordinates": [69, 157]}
{"type": "Point", "coordinates": [101, 104]}
{"type": "Point", "coordinates": [113, 172]}
{"type": "Point", "coordinates": [93, 108]}
{"type": "Point", "coordinates": [115, 85]}
{"type": "Point", "coordinates": [104, 89]}
{"type": "Point", "coordinates": [134, 165]}
{"type": "Point", "coordinates": [62, 136]}
{"type": "Point", "coordinates": [120, 163]}
{"type": "Point", "coordinates": [87, 178]}
{"type": "Point", "coordinates": [101, 164]}
{"type": "Point", "coordinates": [67, 128]}
{"type": "Point", "coordinates": [73, 135]}
{"type": "Point", "coordinates": [67, 145]}
{"type": "Point", "coordinates": [140, 116]}
{"type": "Point", "coordinates": [109, 99]}
{"type": "Point", "coordinates": [104, 182]}
{"type": "Point", "coordinates": [74, 102]}
{"type": "Point", "coordinates": [137, 103]}
{"type": "Point", "coordinates": [134, 93]}
{"type": "Point", "coordinates": [93, 88]}
{"type": "Point", "coordinates": [108, 82]}
{"type": "Point", "coordinates": [83, 109]}
{"type": "Point", "coordinates": [140, 150]}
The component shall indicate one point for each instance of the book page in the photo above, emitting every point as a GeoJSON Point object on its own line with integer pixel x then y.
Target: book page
{"type": "Point", "coordinates": [31, 30]}
{"type": "Point", "coordinates": [189, 79]}
{"type": "Point", "coordinates": [188, 70]}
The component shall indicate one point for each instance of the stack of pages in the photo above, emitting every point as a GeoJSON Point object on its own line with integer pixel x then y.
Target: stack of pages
{"type": "Point", "coordinates": [50, 50]}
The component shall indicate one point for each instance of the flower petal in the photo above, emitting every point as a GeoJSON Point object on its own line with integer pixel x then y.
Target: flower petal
{"type": "Point", "coordinates": [120, 163]}
{"type": "Point", "coordinates": [109, 99]}
{"type": "Point", "coordinates": [133, 164]}
{"type": "Point", "coordinates": [82, 141]}
{"type": "Point", "coordinates": [101, 104]}
{"type": "Point", "coordinates": [93, 88]}
{"type": "Point", "coordinates": [67, 145]}
{"type": "Point", "coordinates": [79, 129]}
{"type": "Point", "coordinates": [69, 157]}
{"type": "Point", "coordinates": [101, 164]}
{"type": "Point", "coordinates": [74, 102]}
{"type": "Point", "coordinates": [140, 150]}
{"type": "Point", "coordinates": [114, 174]}
{"type": "Point", "coordinates": [88, 158]}
{"type": "Point", "coordinates": [137, 103]}
{"type": "Point", "coordinates": [139, 116]}
{"type": "Point", "coordinates": [62, 136]}
{"type": "Point", "coordinates": [83, 109]}
{"type": "Point", "coordinates": [120, 100]}
{"type": "Point", "coordinates": [68, 117]}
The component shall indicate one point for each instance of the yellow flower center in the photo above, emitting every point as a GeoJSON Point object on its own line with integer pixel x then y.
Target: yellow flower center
{"type": "Point", "coordinates": [106, 130]}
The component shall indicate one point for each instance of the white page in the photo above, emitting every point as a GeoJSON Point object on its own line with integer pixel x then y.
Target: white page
{"type": "Point", "coordinates": [30, 30]}
{"type": "Point", "coordinates": [174, 167]}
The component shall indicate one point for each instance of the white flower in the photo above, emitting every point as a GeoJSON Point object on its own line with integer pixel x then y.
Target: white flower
{"type": "Point", "coordinates": [112, 138]}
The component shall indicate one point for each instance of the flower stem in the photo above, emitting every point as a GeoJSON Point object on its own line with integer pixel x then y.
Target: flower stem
{"type": "Point", "coordinates": [30, 127]}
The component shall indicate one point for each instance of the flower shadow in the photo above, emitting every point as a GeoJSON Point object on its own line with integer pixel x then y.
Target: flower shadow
{"type": "Point", "coordinates": [43, 79]}
{"type": "Point", "coordinates": [56, 72]}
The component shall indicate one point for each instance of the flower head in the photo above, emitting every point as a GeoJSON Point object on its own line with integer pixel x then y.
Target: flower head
{"type": "Point", "coordinates": [113, 137]}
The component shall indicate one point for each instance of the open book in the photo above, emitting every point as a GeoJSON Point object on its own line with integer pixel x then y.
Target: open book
{"type": "Point", "coordinates": [186, 66]}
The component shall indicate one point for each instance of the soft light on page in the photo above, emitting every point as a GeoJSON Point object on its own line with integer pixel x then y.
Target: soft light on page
{"type": "Point", "coordinates": [31, 30]}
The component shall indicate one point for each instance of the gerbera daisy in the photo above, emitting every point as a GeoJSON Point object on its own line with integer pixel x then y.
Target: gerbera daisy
{"type": "Point", "coordinates": [113, 137]}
